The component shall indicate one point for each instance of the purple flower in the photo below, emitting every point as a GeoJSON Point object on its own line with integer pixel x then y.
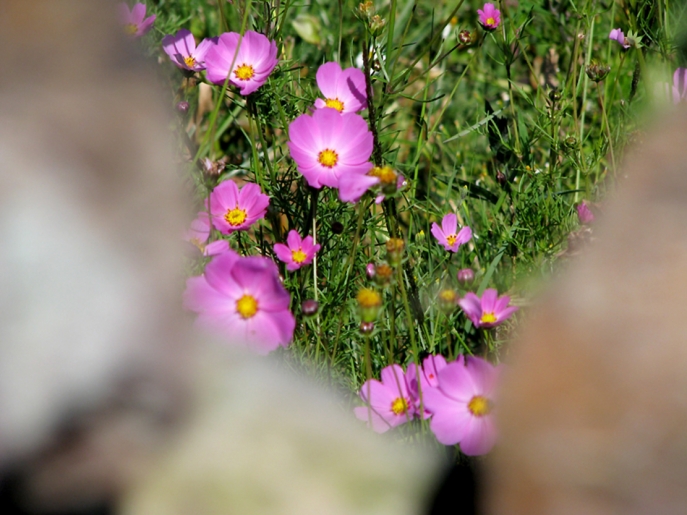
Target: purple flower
{"type": "Point", "coordinates": [328, 146]}
{"type": "Point", "coordinates": [234, 210]}
{"type": "Point", "coordinates": [388, 402]}
{"type": "Point", "coordinates": [679, 85]}
{"type": "Point", "coordinates": [298, 252]}
{"type": "Point", "coordinates": [489, 311]}
{"type": "Point", "coordinates": [428, 374]}
{"type": "Point", "coordinates": [462, 406]}
{"type": "Point", "coordinates": [181, 49]}
{"type": "Point", "coordinates": [618, 36]}
{"type": "Point", "coordinates": [446, 234]}
{"type": "Point", "coordinates": [247, 65]}
{"type": "Point", "coordinates": [489, 17]}
{"type": "Point", "coordinates": [198, 235]}
{"type": "Point", "coordinates": [343, 90]}
{"type": "Point", "coordinates": [242, 300]}
{"type": "Point", "coordinates": [584, 214]}
{"type": "Point", "coordinates": [465, 275]}
{"type": "Point", "coordinates": [135, 22]}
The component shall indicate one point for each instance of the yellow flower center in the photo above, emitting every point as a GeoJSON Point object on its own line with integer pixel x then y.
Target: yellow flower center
{"type": "Point", "coordinates": [490, 21]}
{"type": "Point", "coordinates": [399, 406]}
{"type": "Point", "coordinates": [447, 295]}
{"type": "Point", "coordinates": [247, 306]}
{"type": "Point", "coordinates": [130, 28]}
{"type": "Point", "coordinates": [244, 72]}
{"type": "Point", "coordinates": [368, 298]}
{"type": "Point", "coordinates": [335, 103]}
{"type": "Point", "coordinates": [385, 173]}
{"type": "Point", "coordinates": [479, 406]}
{"type": "Point", "coordinates": [236, 216]}
{"type": "Point", "coordinates": [488, 318]}
{"type": "Point", "coordinates": [190, 61]}
{"type": "Point", "coordinates": [328, 158]}
{"type": "Point", "coordinates": [298, 256]}
{"type": "Point", "coordinates": [451, 239]}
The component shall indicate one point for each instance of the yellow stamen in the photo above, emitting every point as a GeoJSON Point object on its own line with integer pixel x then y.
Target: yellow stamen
{"type": "Point", "coordinates": [244, 72]}
{"type": "Point", "coordinates": [488, 318]}
{"type": "Point", "coordinates": [247, 306]}
{"type": "Point", "coordinates": [368, 298]}
{"type": "Point", "coordinates": [385, 173]}
{"type": "Point", "coordinates": [490, 21]}
{"type": "Point", "coordinates": [328, 158]}
{"type": "Point", "coordinates": [447, 295]}
{"type": "Point", "coordinates": [130, 28]}
{"type": "Point", "coordinates": [451, 239]}
{"type": "Point", "coordinates": [335, 103]}
{"type": "Point", "coordinates": [399, 406]}
{"type": "Point", "coordinates": [298, 256]}
{"type": "Point", "coordinates": [236, 216]}
{"type": "Point", "coordinates": [190, 61]}
{"type": "Point", "coordinates": [479, 406]}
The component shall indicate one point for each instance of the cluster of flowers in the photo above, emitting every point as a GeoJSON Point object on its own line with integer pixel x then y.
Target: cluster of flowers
{"type": "Point", "coordinates": [457, 397]}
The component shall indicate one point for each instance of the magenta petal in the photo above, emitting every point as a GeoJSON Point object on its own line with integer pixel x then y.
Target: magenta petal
{"type": "Point", "coordinates": [464, 235]}
{"type": "Point", "coordinates": [217, 273]}
{"type": "Point", "coordinates": [267, 331]}
{"type": "Point", "coordinates": [506, 313]}
{"type": "Point", "coordinates": [217, 247]}
{"type": "Point", "coordinates": [484, 375]}
{"type": "Point", "coordinates": [438, 234]}
{"type": "Point", "coordinates": [479, 437]}
{"type": "Point", "coordinates": [449, 224]}
{"type": "Point", "coordinates": [471, 305]}
{"type": "Point", "coordinates": [489, 300]}
{"type": "Point", "coordinates": [294, 240]}
{"type": "Point", "coordinates": [138, 13]}
{"type": "Point", "coordinates": [283, 252]}
{"type": "Point", "coordinates": [394, 379]}
{"type": "Point", "coordinates": [352, 186]}
{"type": "Point", "coordinates": [199, 296]}
{"type": "Point", "coordinates": [456, 382]}
{"type": "Point", "coordinates": [327, 78]}
{"type": "Point", "coordinates": [373, 419]}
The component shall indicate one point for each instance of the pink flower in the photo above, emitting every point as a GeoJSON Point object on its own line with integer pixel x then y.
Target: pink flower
{"type": "Point", "coordinates": [181, 49]}
{"type": "Point", "coordinates": [242, 300]}
{"type": "Point", "coordinates": [343, 90]}
{"type": "Point", "coordinates": [198, 235]}
{"type": "Point", "coordinates": [250, 63]}
{"type": "Point", "coordinates": [489, 16]}
{"type": "Point", "coordinates": [328, 146]}
{"type": "Point", "coordinates": [446, 234]}
{"type": "Point", "coordinates": [232, 210]}
{"type": "Point", "coordinates": [462, 406]}
{"type": "Point", "coordinates": [679, 85]}
{"type": "Point", "coordinates": [488, 311]}
{"type": "Point", "coordinates": [428, 374]}
{"type": "Point", "coordinates": [388, 403]}
{"type": "Point", "coordinates": [618, 36]}
{"type": "Point", "coordinates": [298, 252]}
{"type": "Point", "coordinates": [584, 214]}
{"type": "Point", "coordinates": [135, 22]}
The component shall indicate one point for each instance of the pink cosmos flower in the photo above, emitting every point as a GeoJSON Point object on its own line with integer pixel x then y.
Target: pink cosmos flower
{"type": "Point", "coordinates": [617, 35]}
{"type": "Point", "coordinates": [428, 374]}
{"type": "Point", "coordinates": [584, 214]}
{"type": "Point", "coordinates": [462, 406]}
{"type": "Point", "coordinates": [446, 234]}
{"type": "Point", "coordinates": [489, 16]}
{"type": "Point", "coordinates": [488, 311]}
{"type": "Point", "coordinates": [181, 49]}
{"type": "Point", "coordinates": [198, 235]}
{"type": "Point", "coordinates": [135, 22]}
{"type": "Point", "coordinates": [234, 210]}
{"type": "Point", "coordinates": [247, 65]}
{"type": "Point", "coordinates": [388, 402]}
{"type": "Point", "coordinates": [342, 90]}
{"type": "Point", "coordinates": [328, 146]}
{"type": "Point", "coordinates": [241, 299]}
{"type": "Point", "coordinates": [679, 85]}
{"type": "Point", "coordinates": [298, 252]}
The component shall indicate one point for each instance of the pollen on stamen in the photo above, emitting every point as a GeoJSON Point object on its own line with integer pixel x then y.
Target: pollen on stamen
{"type": "Point", "coordinates": [328, 158]}
{"type": "Point", "coordinates": [488, 318]}
{"type": "Point", "coordinates": [335, 103]}
{"type": "Point", "coordinates": [298, 256]}
{"type": "Point", "coordinates": [190, 61]}
{"type": "Point", "coordinates": [480, 406]}
{"type": "Point", "coordinates": [451, 239]}
{"type": "Point", "coordinates": [399, 406]}
{"type": "Point", "coordinates": [244, 72]}
{"type": "Point", "coordinates": [236, 216]}
{"type": "Point", "coordinates": [247, 306]}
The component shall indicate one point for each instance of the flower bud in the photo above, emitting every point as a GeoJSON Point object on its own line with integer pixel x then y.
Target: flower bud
{"type": "Point", "coordinates": [337, 228]}
{"type": "Point", "coordinates": [183, 106]}
{"type": "Point", "coordinates": [383, 274]}
{"type": "Point", "coordinates": [584, 214]}
{"type": "Point", "coordinates": [448, 300]}
{"type": "Point", "coordinates": [310, 307]}
{"type": "Point", "coordinates": [394, 251]}
{"type": "Point", "coordinates": [465, 276]}
{"type": "Point", "coordinates": [370, 270]}
{"type": "Point", "coordinates": [367, 327]}
{"type": "Point", "coordinates": [369, 302]}
{"type": "Point", "coordinates": [597, 72]}
{"type": "Point", "coordinates": [465, 37]}
{"type": "Point", "coordinates": [377, 24]}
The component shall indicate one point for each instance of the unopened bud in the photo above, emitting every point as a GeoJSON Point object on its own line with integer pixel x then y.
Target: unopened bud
{"type": "Point", "coordinates": [465, 37]}
{"type": "Point", "coordinates": [383, 274]}
{"type": "Point", "coordinates": [310, 307]}
{"type": "Point", "coordinates": [448, 299]}
{"type": "Point", "coordinates": [394, 251]}
{"type": "Point", "coordinates": [597, 72]}
{"type": "Point", "coordinates": [377, 24]}
{"type": "Point", "coordinates": [367, 327]}
{"type": "Point", "coordinates": [465, 276]}
{"type": "Point", "coordinates": [369, 302]}
{"type": "Point", "coordinates": [370, 270]}
{"type": "Point", "coordinates": [183, 106]}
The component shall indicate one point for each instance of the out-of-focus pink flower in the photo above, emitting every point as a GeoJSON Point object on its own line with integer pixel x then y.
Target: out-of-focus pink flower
{"type": "Point", "coordinates": [428, 375]}
{"type": "Point", "coordinates": [242, 300]}
{"type": "Point", "coordinates": [465, 275]}
{"type": "Point", "coordinates": [617, 35]}
{"type": "Point", "coordinates": [388, 402]}
{"type": "Point", "coordinates": [198, 235]}
{"type": "Point", "coordinates": [447, 235]}
{"type": "Point", "coordinates": [488, 311]}
{"type": "Point", "coordinates": [234, 210]}
{"type": "Point", "coordinates": [489, 16]}
{"type": "Point", "coordinates": [247, 65]}
{"type": "Point", "coordinates": [584, 214]}
{"type": "Point", "coordinates": [342, 90]}
{"type": "Point", "coordinates": [181, 49]}
{"type": "Point", "coordinates": [462, 406]}
{"type": "Point", "coordinates": [680, 85]}
{"type": "Point", "coordinates": [297, 252]}
{"type": "Point", "coordinates": [328, 146]}
{"type": "Point", "coordinates": [370, 270]}
{"type": "Point", "coordinates": [135, 22]}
